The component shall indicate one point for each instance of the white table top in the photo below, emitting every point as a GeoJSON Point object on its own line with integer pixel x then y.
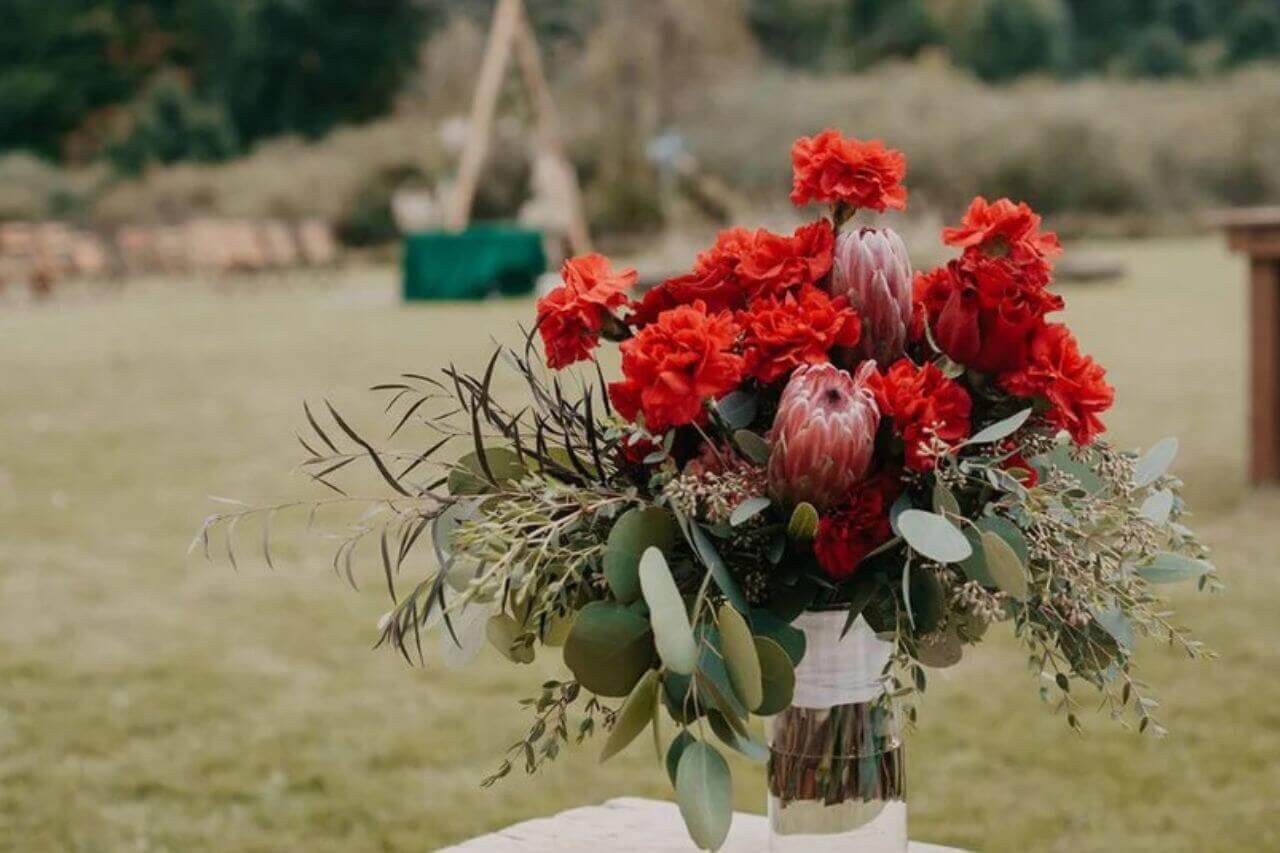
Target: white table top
{"type": "Point", "coordinates": [618, 824]}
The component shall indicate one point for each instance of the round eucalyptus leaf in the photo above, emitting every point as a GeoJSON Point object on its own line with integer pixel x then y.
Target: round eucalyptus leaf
{"type": "Point", "coordinates": [739, 741]}
{"type": "Point", "coordinates": [943, 500]}
{"type": "Point", "coordinates": [940, 650]}
{"type": "Point", "coordinates": [704, 793]}
{"type": "Point", "coordinates": [747, 510]}
{"type": "Point", "coordinates": [1157, 506]}
{"type": "Point", "coordinates": [1000, 429]}
{"type": "Point", "coordinates": [1009, 532]}
{"type": "Point", "coordinates": [740, 657]}
{"type": "Point", "coordinates": [778, 677]}
{"type": "Point", "coordinates": [737, 409]}
{"type": "Point", "coordinates": [502, 631]}
{"type": "Point", "coordinates": [927, 604]}
{"type": "Point", "coordinates": [633, 717]}
{"type": "Point", "coordinates": [752, 445]}
{"type": "Point", "coordinates": [635, 531]}
{"type": "Point", "coordinates": [609, 648]}
{"type": "Point", "coordinates": [933, 536]}
{"type": "Point", "coordinates": [1168, 567]}
{"type": "Point", "coordinates": [672, 632]}
{"type": "Point", "coordinates": [1155, 462]}
{"type": "Point", "coordinates": [1004, 566]}
{"type": "Point", "coordinates": [467, 477]}
{"type": "Point", "coordinates": [791, 638]}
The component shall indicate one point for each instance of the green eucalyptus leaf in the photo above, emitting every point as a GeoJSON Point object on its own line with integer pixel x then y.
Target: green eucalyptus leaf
{"type": "Point", "coordinates": [675, 750]}
{"type": "Point", "coordinates": [467, 476]}
{"type": "Point", "coordinates": [1004, 566]}
{"type": "Point", "coordinates": [901, 505]}
{"type": "Point", "coordinates": [752, 445]}
{"type": "Point", "coordinates": [1115, 623]}
{"type": "Point", "coordinates": [737, 409]}
{"type": "Point", "coordinates": [1155, 462]}
{"type": "Point", "coordinates": [1168, 567]}
{"type": "Point", "coordinates": [502, 631]}
{"type": "Point", "coordinates": [710, 557]}
{"type": "Point", "coordinates": [748, 509]}
{"type": "Point", "coordinates": [933, 536]}
{"type": "Point", "coordinates": [943, 500]}
{"type": "Point", "coordinates": [927, 600]}
{"type": "Point", "coordinates": [1009, 532]}
{"type": "Point", "coordinates": [1000, 429]}
{"type": "Point", "coordinates": [804, 522]}
{"type": "Point", "coordinates": [740, 657]}
{"type": "Point", "coordinates": [704, 793]}
{"type": "Point", "coordinates": [940, 650]}
{"type": "Point", "coordinates": [1157, 506]}
{"type": "Point", "coordinates": [778, 677]}
{"type": "Point", "coordinates": [609, 648]}
{"type": "Point", "coordinates": [634, 716]}
{"type": "Point", "coordinates": [740, 741]}
{"type": "Point", "coordinates": [672, 632]}
{"type": "Point", "coordinates": [791, 638]}
{"type": "Point", "coordinates": [632, 534]}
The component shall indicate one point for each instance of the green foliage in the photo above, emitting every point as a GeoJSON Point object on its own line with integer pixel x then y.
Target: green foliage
{"type": "Point", "coordinates": [1253, 33]}
{"type": "Point", "coordinates": [168, 124]}
{"type": "Point", "coordinates": [609, 648]}
{"type": "Point", "coordinates": [704, 794]}
{"type": "Point", "coordinates": [1003, 39]}
{"type": "Point", "coordinates": [1158, 51]}
{"type": "Point", "coordinates": [635, 531]}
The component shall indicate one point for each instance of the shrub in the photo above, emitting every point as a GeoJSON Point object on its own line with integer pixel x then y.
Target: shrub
{"type": "Point", "coordinates": [168, 124]}
{"type": "Point", "coordinates": [1003, 39]}
{"type": "Point", "coordinates": [1158, 51]}
{"type": "Point", "coordinates": [1254, 33]}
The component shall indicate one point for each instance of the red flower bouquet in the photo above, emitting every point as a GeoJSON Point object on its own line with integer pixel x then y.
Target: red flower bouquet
{"type": "Point", "coordinates": [815, 479]}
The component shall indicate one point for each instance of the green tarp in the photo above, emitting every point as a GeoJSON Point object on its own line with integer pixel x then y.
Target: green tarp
{"type": "Point", "coordinates": [472, 264]}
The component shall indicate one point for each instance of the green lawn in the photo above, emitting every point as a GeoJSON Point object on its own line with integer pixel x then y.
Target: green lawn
{"type": "Point", "coordinates": [151, 703]}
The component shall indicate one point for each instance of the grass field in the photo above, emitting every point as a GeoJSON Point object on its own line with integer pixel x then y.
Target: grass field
{"type": "Point", "coordinates": [153, 703]}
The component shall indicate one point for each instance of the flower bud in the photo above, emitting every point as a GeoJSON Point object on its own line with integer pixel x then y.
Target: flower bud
{"type": "Point", "coordinates": [872, 271]}
{"type": "Point", "coordinates": [823, 435]}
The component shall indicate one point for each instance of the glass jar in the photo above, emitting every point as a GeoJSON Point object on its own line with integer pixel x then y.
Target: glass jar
{"type": "Point", "coordinates": [836, 774]}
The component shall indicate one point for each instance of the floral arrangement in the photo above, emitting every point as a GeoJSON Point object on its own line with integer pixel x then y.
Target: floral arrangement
{"type": "Point", "coordinates": [800, 424]}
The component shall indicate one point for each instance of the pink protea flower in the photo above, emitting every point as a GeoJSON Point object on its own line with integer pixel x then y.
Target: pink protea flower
{"type": "Point", "coordinates": [873, 273]}
{"type": "Point", "coordinates": [823, 435]}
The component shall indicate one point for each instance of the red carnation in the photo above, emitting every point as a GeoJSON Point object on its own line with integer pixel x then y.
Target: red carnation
{"type": "Point", "coordinates": [1074, 385]}
{"type": "Point", "coordinates": [785, 332]}
{"type": "Point", "coordinates": [570, 317]}
{"type": "Point", "coordinates": [1002, 228]}
{"type": "Point", "coordinates": [983, 311]}
{"type": "Point", "coordinates": [923, 404]}
{"type": "Point", "coordinates": [743, 265]}
{"type": "Point", "coordinates": [675, 364]}
{"type": "Point", "coordinates": [858, 527]}
{"type": "Point", "coordinates": [832, 168]}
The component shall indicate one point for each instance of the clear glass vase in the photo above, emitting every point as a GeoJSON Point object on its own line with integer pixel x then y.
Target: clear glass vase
{"type": "Point", "coordinates": [837, 773]}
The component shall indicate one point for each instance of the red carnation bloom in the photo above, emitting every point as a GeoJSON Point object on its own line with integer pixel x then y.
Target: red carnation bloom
{"type": "Point", "coordinates": [785, 332]}
{"type": "Point", "coordinates": [570, 317]}
{"type": "Point", "coordinates": [832, 168]}
{"type": "Point", "coordinates": [923, 404]}
{"type": "Point", "coordinates": [847, 535]}
{"type": "Point", "coordinates": [675, 364]}
{"type": "Point", "coordinates": [743, 265]}
{"type": "Point", "coordinates": [1074, 385]}
{"type": "Point", "coordinates": [983, 311]}
{"type": "Point", "coordinates": [1002, 228]}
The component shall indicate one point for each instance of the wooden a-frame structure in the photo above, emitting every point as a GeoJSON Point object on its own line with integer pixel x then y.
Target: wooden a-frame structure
{"type": "Point", "coordinates": [511, 32]}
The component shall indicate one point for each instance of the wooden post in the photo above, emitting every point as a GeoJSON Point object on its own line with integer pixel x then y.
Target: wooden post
{"type": "Point", "coordinates": [1256, 232]}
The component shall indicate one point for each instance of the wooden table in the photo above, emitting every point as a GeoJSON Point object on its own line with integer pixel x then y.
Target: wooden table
{"type": "Point", "coordinates": [1256, 232]}
{"type": "Point", "coordinates": [626, 824]}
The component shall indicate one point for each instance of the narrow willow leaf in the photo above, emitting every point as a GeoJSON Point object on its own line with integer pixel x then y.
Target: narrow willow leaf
{"type": "Point", "coordinates": [778, 677]}
{"type": "Point", "coordinates": [1004, 566]}
{"type": "Point", "coordinates": [1000, 429]}
{"type": "Point", "coordinates": [704, 793]}
{"type": "Point", "coordinates": [933, 536]}
{"type": "Point", "coordinates": [740, 657]}
{"type": "Point", "coordinates": [1155, 462]}
{"type": "Point", "coordinates": [752, 445]}
{"type": "Point", "coordinates": [804, 522]}
{"type": "Point", "coordinates": [635, 715]}
{"type": "Point", "coordinates": [672, 632]}
{"type": "Point", "coordinates": [1168, 567]}
{"type": "Point", "coordinates": [748, 509]}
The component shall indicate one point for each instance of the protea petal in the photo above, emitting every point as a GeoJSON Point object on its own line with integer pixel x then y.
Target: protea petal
{"type": "Point", "coordinates": [872, 271]}
{"type": "Point", "coordinates": [823, 435]}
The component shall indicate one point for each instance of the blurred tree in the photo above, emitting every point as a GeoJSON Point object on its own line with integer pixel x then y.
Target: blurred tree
{"type": "Point", "coordinates": [1002, 39]}
{"type": "Point", "coordinates": [167, 124]}
{"type": "Point", "coordinates": [879, 29]}
{"type": "Point", "coordinates": [1158, 51]}
{"type": "Point", "coordinates": [1254, 33]}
